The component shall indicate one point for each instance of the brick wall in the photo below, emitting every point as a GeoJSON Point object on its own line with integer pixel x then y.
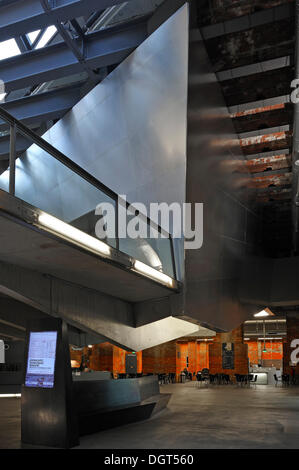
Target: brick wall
{"type": "Point", "coordinates": [171, 357]}
{"type": "Point", "coordinates": [105, 357]}
{"type": "Point", "coordinates": [119, 360]}
{"type": "Point", "coordinates": [197, 353]}
{"type": "Point", "coordinates": [160, 359]}
{"type": "Point", "coordinates": [273, 356]}
{"type": "Point", "coordinates": [240, 350]}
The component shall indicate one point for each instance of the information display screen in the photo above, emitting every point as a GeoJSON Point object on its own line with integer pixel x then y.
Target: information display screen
{"type": "Point", "coordinates": [41, 359]}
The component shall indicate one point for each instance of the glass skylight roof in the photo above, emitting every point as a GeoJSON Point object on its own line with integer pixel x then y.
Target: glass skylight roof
{"type": "Point", "coordinates": [33, 35]}
{"type": "Point", "coordinates": [9, 48]}
{"type": "Point", "coordinates": [46, 37]}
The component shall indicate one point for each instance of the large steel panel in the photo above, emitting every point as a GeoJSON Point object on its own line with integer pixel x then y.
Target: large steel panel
{"type": "Point", "coordinates": [129, 132]}
{"type": "Point", "coordinates": [212, 273]}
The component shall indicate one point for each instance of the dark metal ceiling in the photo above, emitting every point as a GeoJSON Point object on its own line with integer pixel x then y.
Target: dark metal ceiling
{"type": "Point", "coordinates": [251, 44]}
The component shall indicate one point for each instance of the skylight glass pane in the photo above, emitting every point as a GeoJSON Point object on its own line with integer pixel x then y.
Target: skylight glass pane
{"type": "Point", "coordinates": [46, 37]}
{"type": "Point", "coordinates": [9, 48]}
{"type": "Point", "coordinates": [33, 35]}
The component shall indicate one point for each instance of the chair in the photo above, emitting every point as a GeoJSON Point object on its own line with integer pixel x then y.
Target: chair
{"type": "Point", "coordinates": [172, 377]}
{"type": "Point", "coordinates": [182, 377]}
{"type": "Point", "coordinates": [253, 382]}
{"type": "Point", "coordinates": [277, 380]}
{"type": "Point", "coordinates": [285, 380]}
{"type": "Point", "coordinates": [205, 373]}
{"type": "Point", "coordinates": [225, 379]}
{"type": "Point", "coordinates": [241, 379]}
{"type": "Point", "coordinates": [250, 378]}
{"type": "Point", "coordinates": [212, 379]}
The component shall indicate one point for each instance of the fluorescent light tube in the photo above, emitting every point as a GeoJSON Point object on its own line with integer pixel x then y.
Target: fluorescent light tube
{"type": "Point", "coordinates": [10, 395]}
{"type": "Point", "coordinates": [153, 273]}
{"type": "Point", "coordinates": [73, 234]}
{"type": "Point", "coordinates": [268, 339]}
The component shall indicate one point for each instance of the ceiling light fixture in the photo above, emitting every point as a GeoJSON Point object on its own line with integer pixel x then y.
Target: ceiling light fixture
{"type": "Point", "coordinates": [261, 314]}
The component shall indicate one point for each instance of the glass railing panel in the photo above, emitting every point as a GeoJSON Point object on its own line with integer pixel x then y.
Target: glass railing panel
{"type": "Point", "coordinates": [152, 249]}
{"type": "Point", "coordinates": [49, 185]}
{"type": "Point", "coordinates": [66, 192]}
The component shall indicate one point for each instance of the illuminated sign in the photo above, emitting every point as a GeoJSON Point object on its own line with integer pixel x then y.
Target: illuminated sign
{"type": "Point", "coordinates": [41, 359]}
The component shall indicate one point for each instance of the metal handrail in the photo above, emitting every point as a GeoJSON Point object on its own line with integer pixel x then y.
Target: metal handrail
{"type": "Point", "coordinates": [18, 126]}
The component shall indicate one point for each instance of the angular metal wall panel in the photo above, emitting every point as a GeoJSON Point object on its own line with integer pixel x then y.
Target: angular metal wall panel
{"type": "Point", "coordinates": [129, 132]}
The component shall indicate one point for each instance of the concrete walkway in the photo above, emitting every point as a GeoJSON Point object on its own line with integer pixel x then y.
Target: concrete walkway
{"type": "Point", "coordinates": [223, 417]}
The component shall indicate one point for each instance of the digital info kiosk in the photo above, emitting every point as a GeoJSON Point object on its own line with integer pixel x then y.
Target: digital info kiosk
{"type": "Point", "coordinates": [48, 417]}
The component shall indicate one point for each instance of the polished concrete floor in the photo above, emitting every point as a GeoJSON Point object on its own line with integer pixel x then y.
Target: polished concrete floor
{"type": "Point", "coordinates": [223, 417]}
{"type": "Point", "coordinates": [10, 423]}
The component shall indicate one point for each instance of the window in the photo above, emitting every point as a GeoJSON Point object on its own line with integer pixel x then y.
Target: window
{"type": "Point", "coordinates": [46, 37]}
{"type": "Point", "coordinates": [33, 35]}
{"type": "Point", "coordinates": [8, 49]}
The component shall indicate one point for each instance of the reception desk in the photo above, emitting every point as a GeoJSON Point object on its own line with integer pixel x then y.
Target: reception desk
{"type": "Point", "coordinates": [103, 404]}
{"type": "Point", "coordinates": [265, 375]}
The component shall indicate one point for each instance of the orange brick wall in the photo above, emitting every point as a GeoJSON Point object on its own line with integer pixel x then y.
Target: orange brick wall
{"type": "Point", "coordinates": [105, 357]}
{"type": "Point", "coordinates": [160, 359]}
{"type": "Point", "coordinates": [241, 359]}
{"type": "Point", "coordinates": [256, 354]}
{"type": "Point", "coordinates": [240, 349]}
{"type": "Point", "coordinates": [119, 360]}
{"type": "Point", "coordinates": [202, 355]}
{"type": "Point", "coordinates": [171, 357]}
{"type": "Point", "coordinates": [197, 353]}
{"type": "Point", "coordinates": [166, 358]}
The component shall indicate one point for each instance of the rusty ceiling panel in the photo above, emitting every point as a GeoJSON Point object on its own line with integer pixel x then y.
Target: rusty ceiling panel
{"type": "Point", "coordinates": [216, 11]}
{"type": "Point", "coordinates": [252, 46]}
{"type": "Point", "coordinates": [253, 111]}
{"type": "Point", "coordinates": [266, 143]}
{"type": "Point", "coordinates": [258, 87]}
{"type": "Point", "coordinates": [263, 118]}
{"type": "Point", "coordinates": [265, 181]}
{"type": "Point", "coordinates": [258, 165]}
{"type": "Point", "coordinates": [270, 181]}
{"type": "Point", "coordinates": [270, 197]}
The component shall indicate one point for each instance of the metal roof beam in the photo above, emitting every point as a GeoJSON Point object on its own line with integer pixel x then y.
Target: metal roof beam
{"type": "Point", "coordinates": [101, 49]}
{"type": "Point", "coordinates": [42, 107]}
{"type": "Point", "coordinates": [24, 16]}
{"type": "Point", "coordinates": [21, 145]}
